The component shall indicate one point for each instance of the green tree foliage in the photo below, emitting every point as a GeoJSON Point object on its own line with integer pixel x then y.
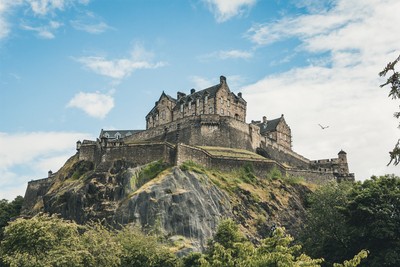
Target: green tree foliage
{"type": "Point", "coordinates": [374, 219]}
{"type": "Point", "coordinates": [142, 250]}
{"type": "Point", "coordinates": [326, 234]}
{"type": "Point", "coordinates": [9, 210]}
{"type": "Point", "coordinates": [50, 241]}
{"type": "Point", "coordinates": [343, 220]}
{"type": "Point", "coordinates": [394, 82]}
{"type": "Point", "coordinates": [230, 248]}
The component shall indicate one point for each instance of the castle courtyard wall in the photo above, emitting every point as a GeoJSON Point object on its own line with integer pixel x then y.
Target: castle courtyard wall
{"type": "Point", "coordinates": [202, 130]}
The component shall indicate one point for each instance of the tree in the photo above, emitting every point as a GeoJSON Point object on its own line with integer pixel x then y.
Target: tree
{"type": "Point", "coordinates": [8, 211]}
{"type": "Point", "coordinates": [139, 249]}
{"type": "Point", "coordinates": [325, 232]}
{"type": "Point", "coordinates": [394, 82]}
{"type": "Point", "coordinates": [373, 214]}
{"type": "Point", "coordinates": [343, 220]}
{"type": "Point", "coordinates": [230, 248]}
{"type": "Point", "coordinates": [51, 241]}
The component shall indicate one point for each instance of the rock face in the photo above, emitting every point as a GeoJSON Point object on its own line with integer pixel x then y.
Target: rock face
{"type": "Point", "coordinates": [173, 201]}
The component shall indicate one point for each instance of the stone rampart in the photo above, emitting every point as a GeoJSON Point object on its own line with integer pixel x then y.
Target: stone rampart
{"type": "Point", "coordinates": [202, 157]}
{"type": "Point", "coordinates": [139, 154]}
{"type": "Point", "coordinates": [315, 177]}
{"type": "Point", "coordinates": [34, 193]}
{"type": "Point", "coordinates": [201, 130]}
{"type": "Point", "coordinates": [281, 154]}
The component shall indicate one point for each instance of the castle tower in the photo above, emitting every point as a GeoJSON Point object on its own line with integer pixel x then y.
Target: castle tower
{"type": "Point", "coordinates": [343, 166]}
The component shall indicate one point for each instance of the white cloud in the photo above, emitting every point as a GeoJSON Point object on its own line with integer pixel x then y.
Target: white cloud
{"type": "Point", "coordinates": [94, 104]}
{"type": "Point", "coordinates": [342, 92]}
{"type": "Point", "coordinates": [46, 31]}
{"type": "Point", "coordinates": [45, 9]}
{"type": "Point", "coordinates": [200, 82]}
{"type": "Point", "coordinates": [123, 67]}
{"type": "Point", "coordinates": [37, 152]}
{"type": "Point", "coordinates": [97, 28]}
{"type": "Point", "coordinates": [228, 54]}
{"type": "Point", "coordinates": [42, 7]}
{"type": "Point", "coordinates": [226, 9]}
{"type": "Point", "coordinates": [90, 23]}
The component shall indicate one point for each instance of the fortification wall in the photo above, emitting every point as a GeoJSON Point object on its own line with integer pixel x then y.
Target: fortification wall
{"type": "Point", "coordinates": [283, 155]}
{"type": "Point", "coordinates": [202, 157]}
{"type": "Point", "coordinates": [315, 177]}
{"type": "Point", "coordinates": [139, 154]}
{"type": "Point", "coordinates": [203, 130]}
{"type": "Point", "coordinates": [34, 193]}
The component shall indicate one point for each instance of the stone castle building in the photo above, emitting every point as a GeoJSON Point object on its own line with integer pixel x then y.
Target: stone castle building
{"type": "Point", "coordinates": [207, 127]}
{"type": "Point", "coordinates": [189, 125]}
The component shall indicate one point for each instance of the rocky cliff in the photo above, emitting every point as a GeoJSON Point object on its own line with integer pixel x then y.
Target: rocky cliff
{"type": "Point", "coordinates": [184, 202]}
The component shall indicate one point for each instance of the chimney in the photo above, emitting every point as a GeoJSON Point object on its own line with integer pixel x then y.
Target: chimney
{"type": "Point", "coordinates": [264, 119]}
{"type": "Point", "coordinates": [240, 95]}
{"type": "Point", "coordinates": [192, 91]}
{"type": "Point", "coordinates": [50, 173]}
{"type": "Point", "coordinates": [222, 79]}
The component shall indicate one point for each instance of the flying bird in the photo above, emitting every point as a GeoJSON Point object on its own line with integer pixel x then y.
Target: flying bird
{"type": "Point", "coordinates": [323, 127]}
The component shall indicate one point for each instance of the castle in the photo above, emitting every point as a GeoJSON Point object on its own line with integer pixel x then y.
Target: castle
{"type": "Point", "coordinates": [209, 127]}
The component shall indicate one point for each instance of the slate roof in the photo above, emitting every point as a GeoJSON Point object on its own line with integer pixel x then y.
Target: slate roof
{"type": "Point", "coordinates": [270, 126]}
{"type": "Point", "coordinates": [117, 134]}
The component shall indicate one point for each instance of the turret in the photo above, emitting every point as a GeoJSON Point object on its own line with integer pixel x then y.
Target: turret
{"type": "Point", "coordinates": [343, 166]}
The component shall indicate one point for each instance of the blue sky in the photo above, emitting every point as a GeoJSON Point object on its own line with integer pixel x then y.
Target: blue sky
{"type": "Point", "coordinates": [69, 68]}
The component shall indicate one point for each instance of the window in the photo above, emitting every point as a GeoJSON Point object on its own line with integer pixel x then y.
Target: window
{"type": "Point", "coordinates": [163, 114]}
{"type": "Point", "coordinates": [206, 99]}
{"type": "Point", "coordinates": [157, 117]}
{"type": "Point", "coordinates": [229, 103]}
{"type": "Point", "coordinates": [222, 100]}
{"type": "Point", "coordinates": [222, 111]}
{"type": "Point", "coordinates": [197, 102]}
{"type": "Point", "coordinates": [181, 107]}
{"type": "Point", "coordinates": [229, 113]}
{"type": "Point", "coordinates": [190, 105]}
{"type": "Point", "coordinates": [210, 110]}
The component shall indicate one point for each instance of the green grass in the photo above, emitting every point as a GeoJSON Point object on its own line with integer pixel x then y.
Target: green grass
{"type": "Point", "coordinates": [192, 166]}
{"type": "Point", "coordinates": [149, 172]}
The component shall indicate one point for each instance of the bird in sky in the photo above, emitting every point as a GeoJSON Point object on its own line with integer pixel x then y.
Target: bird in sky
{"type": "Point", "coordinates": [323, 127]}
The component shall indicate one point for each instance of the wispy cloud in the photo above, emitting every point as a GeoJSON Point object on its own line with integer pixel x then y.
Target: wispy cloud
{"type": "Point", "coordinates": [45, 10]}
{"type": "Point", "coordinates": [45, 7]}
{"type": "Point", "coordinates": [37, 152]}
{"type": "Point", "coordinates": [96, 105]}
{"type": "Point", "coordinates": [353, 40]}
{"type": "Point", "coordinates": [226, 9]}
{"type": "Point", "coordinates": [46, 31]}
{"type": "Point", "coordinates": [90, 23]}
{"type": "Point", "coordinates": [200, 82]}
{"type": "Point", "coordinates": [228, 54]}
{"type": "Point", "coordinates": [123, 67]}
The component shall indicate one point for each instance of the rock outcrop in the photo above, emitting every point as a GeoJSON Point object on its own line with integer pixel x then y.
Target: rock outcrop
{"type": "Point", "coordinates": [186, 201]}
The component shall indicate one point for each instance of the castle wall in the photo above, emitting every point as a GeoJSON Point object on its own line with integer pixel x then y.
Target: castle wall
{"type": "Point", "coordinates": [315, 177]}
{"type": "Point", "coordinates": [202, 157]}
{"type": "Point", "coordinates": [140, 154]}
{"type": "Point", "coordinates": [203, 130]}
{"type": "Point", "coordinates": [34, 194]}
{"type": "Point", "coordinates": [281, 154]}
